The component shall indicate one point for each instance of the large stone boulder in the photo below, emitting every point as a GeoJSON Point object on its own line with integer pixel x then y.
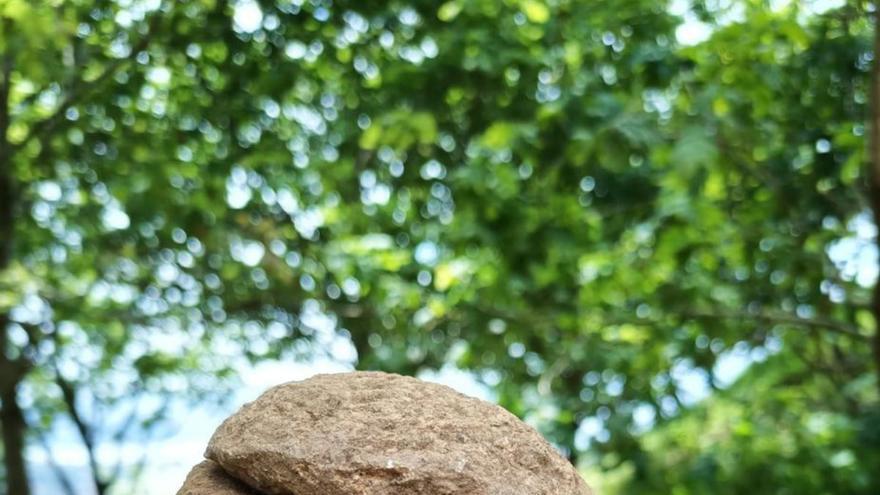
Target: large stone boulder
{"type": "Point", "coordinates": [208, 478]}
{"type": "Point", "coordinates": [380, 434]}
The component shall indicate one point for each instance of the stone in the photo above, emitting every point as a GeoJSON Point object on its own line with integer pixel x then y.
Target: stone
{"type": "Point", "coordinates": [208, 478]}
{"type": "Point", "coordinates": [370, 433]}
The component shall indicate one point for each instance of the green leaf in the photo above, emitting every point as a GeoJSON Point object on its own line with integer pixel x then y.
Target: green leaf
{"type": "Point", "coordinates": [499, 135]}
{"type": "Point", "coordinates": [450, 10]}
{"type": "Point", "coordinates": [536, 11]}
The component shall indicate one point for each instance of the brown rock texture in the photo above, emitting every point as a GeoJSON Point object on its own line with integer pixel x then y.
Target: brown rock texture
{"type": "Point", "coordinates": [208, 478]}
{"type": "Point", "coordinates": [371, 433]}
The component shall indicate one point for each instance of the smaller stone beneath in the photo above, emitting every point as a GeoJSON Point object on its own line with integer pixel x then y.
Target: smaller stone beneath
{"type": "Point", "coordinates": [208, 478]}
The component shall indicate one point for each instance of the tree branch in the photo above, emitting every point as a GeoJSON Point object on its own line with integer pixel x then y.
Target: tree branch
{"type": "Point", "coordinates": [137, 470]}
{"type": "Point", "coordinates": [68, 393]}
{"type": "Point", "coordinates": [874, 171]}
{"type": "Point", "coordinates": [60, 475]}
{"type": "Point", "coordinates": [83, 89]}
{"type": "Point", "coordinates": [120, 435]}
{"type": "Point", "coordinates": [778, 318]}
{"type": "Point", "coordinates": [781, 318]}
{"type": "Point", "coordinates": [7, 179]}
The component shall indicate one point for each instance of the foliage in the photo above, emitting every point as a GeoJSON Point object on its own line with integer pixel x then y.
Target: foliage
{"type": "Point", "coordinates": [555, 195]}
{"type": "Point", "coordinates": [783, 428]}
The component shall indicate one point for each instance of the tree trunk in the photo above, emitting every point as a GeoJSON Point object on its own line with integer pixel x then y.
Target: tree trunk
{"type": "Point", "coordinates": [11, 370]}
{"type": "Point", "coordinates": [874, 172]}
{"type": "Point", "coordinates": [14, 427]}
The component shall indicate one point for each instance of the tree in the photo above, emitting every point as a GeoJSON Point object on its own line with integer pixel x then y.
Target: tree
{"type": "Point", "coordinates": [787, 98]}
{"type": "Point", "coordinates": [762, 436]}
{"type": "Point", "coordinates": [556, 196]}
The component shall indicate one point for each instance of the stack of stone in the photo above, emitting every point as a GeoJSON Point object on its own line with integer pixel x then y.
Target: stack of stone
{"type": "Point", "coordinates": [377, 434]}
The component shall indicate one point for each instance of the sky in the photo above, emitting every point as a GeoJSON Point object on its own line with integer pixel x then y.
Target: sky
{"type": "Point", "coordinates": [172, 457]}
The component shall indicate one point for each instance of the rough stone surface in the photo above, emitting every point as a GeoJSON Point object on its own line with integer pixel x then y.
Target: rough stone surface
{"type": "Point", "coordinates": [380, 434]}
{"type": "Point", "coordinates": [208, 478]}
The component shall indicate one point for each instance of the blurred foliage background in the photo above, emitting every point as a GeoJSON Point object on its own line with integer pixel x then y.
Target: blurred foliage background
{"type": "Point", "coordinates": [599, 209]}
